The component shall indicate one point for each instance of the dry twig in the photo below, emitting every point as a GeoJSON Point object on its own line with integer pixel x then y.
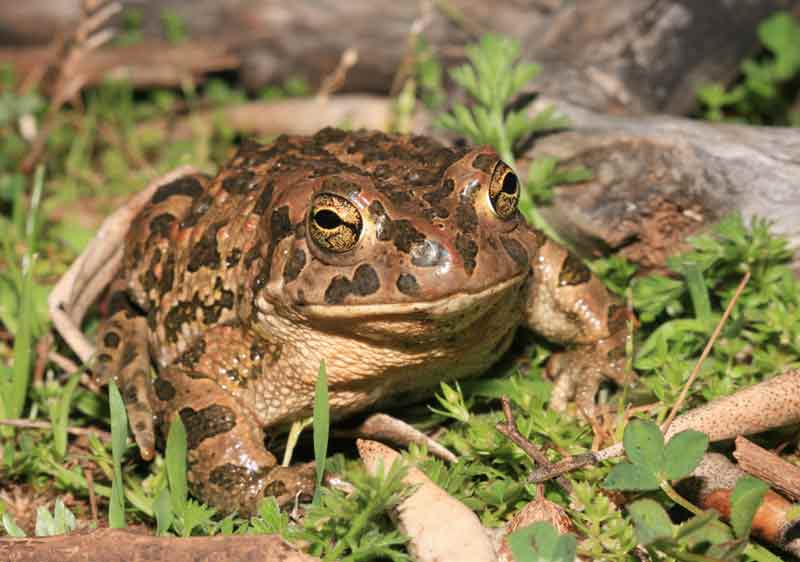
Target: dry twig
{"type": "Point", "coordinates": [510, 430]}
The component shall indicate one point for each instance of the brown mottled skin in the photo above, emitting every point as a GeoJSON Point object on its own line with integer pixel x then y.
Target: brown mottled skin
{"type": "Point", "coordinates": [398, 261]}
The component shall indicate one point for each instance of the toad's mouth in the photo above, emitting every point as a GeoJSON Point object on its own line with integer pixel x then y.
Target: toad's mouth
{"type": "Point", "coordinates": [441, 307]}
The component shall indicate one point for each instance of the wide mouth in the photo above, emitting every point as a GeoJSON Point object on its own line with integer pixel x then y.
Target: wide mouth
{"type": "Point", "coordinates": [448, 304]}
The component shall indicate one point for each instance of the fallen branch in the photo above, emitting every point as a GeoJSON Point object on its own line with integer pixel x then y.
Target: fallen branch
{"type": "Point", "coordinates": [115, 545]}
{"type": "Point", "coordinates": [769, 467]}
{"type": "Point", "coordinates": [711, 486]}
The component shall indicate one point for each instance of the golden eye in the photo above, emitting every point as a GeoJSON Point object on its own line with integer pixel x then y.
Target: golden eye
{"type": "Point", "coordinates": [504, 191]}
{"type": "Point", "coordinates": [334, 223]}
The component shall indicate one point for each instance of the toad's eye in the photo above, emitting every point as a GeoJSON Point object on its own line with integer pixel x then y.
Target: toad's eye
{"type": "Point", "coordinates": [334, 223]}
{"type": "Point", "coordinates": [504, 191]}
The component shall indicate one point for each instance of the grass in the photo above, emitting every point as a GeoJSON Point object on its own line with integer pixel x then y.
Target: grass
{"type": "Point", "coordinates": [100, 154]}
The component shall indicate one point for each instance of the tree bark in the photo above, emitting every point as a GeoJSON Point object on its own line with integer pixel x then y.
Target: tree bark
{"type": "Point", "coordinates": [617, 56]}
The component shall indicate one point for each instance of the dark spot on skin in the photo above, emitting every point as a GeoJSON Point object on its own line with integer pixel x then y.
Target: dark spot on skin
{"type": "Point", "coordinates": [252, 255]}
{"type": "Point", "coordinates": [206, 252]}
{"type": "Point", "coordinates": [515, 250]}
{"type": "Point", "coordinates": [264, 199]}
{"type": "Point", "coordinates": [466, 217]}
{"type": "Point", "coordinates": [280, 228]}
{"type": "Point", "coordinates": [468, 250]}
{"type": "Point", "coordinates": [407, 284]}
{"type": "Point", "coordinates": [186, 185]}
{"type": "Point", "coordinates": [160, 224]}
{"type": "Point", "coordinates": [167, 274]}
{"type": "Point", "coordinates": [258, 349]}
{"type": "Point", "coordinates": [234, 479]}
{"type": "Point", "coordinates": [152, 318]}
{"type": "Point", "coordinates": [199, 208]}
{"type": "Point", "coordinates": [119, 302]}
{"type": "Point", "coordinates": [191, 356]}
{"type": "Point", "coordinates": [206, 423]}
{"type": "Point", "coordinates": [405, 236]}
{"type": "Point", "coordinates": [104, 358]}
{"type": "Point", "coordinates": [365, 282]}
{"type": "Point", "coordinates": [429, 254]}
{"type": "Point", "coordinates": [484, 163]}
{"type": "Point", "coordinates": [140, 427]}
{"type": "Point", "coordinates": [212, 312]}
{"type": "Point", "coordinates": [338, 290]}
{"type": "Point", "coordinates": [177, 316]}
{"type": "Point", "coordinates": [235, 376]}
{"type": "Point", "coordinates": [239, 183]}
{"type": "Point", "coordinates": [164, 389]}
{"type": "Point", "coordinates": [434, 198]}
{"type": "Point", "coordinates": [111, 339]}
{"type": "Point", "coordinates": [573, 272]}
{"type": "Point", "coordinates": [275, 488]}
{"type": "Point", "coordinates": [617, 319]}
{"type": "Point", "coordinates": [128, 393]}
{"type": "Point", "coordinates": [295, 264]}
{"type": "Point", "coordinates": [128, 355]}
{"type": "Point", "coordinates": [280, 225]}
{"type": "Point", "coordinates": [234, 257]}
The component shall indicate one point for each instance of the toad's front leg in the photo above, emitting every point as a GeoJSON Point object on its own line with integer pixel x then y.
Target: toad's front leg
{"type": "Point", "coordinates": [567, 304]}
{"type": "Point", "coordinates": [229, 466]}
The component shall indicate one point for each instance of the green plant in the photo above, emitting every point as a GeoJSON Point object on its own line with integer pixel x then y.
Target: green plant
{"type": "Point", "coordinates": [764, 95]}
{"type": "Point", "coordinates": [651, 466]}
{"type": "Point", "coordinates": [492, 79]}
{"type": "Point", "coordinates": [119, 438]}
{"type": "Point", "coordinates": [321, 424]}
{"type": "Point", "coordinates": [541, 543]}
{"type": "Point", "coordinates": [354, 526]}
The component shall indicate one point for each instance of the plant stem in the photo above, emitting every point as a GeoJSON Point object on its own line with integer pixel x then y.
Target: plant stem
{"type": "Point", "coordinates": [679, 499]}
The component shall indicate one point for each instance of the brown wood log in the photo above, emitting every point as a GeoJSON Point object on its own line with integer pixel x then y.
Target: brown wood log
{"type": "Point", "coordinates": [658, 178]}
{"type": "Point", "coordinates": [114, 545]}
{"type": "Point", "coordinates": [622, 56]}
{"type": "Point", "coordinates": [769, 467]}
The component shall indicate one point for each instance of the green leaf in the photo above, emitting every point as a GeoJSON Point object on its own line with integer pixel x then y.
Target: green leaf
{"type": "Point", "coordinates": [162, 506]}
{"type": "Point", "coordinates": [746, 498]}
{"type": "Point", "coordinates": [684, 452]}
{"type": "Point", "coordinates": [61, 416]}
{"type": "Point", "coordinates": [322, 423]}
{"type": "Point", "coordinates": [644, 444]}
{"type": "Point", "coordinates": [698, 293]}
{"type": "Point", "coordinates": [541, 543]}
{"type": "Point", "coordinates": [627, 476]}
{"type": "Point", "coordinates": [119, 438]}
{"type": "Point", "coordinates": [652, 522]}
{"type": "Point", "coordinates": [696, 523]}
{"type": "Point", "coordinates": [11, 526]}
{"type": "Point", "coordinates": [175, 457]}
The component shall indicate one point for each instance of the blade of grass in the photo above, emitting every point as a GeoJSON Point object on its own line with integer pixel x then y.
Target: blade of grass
{"type": "Point", "coordinates": [322, 425]}
{"type": "Point", "coordinates": [699, 294]}
{"type": "Point", "coordinates": [175, 457]}
{"type": "Point", "coordinates": [61, 416]}
{"type": "Point", "coordinates": [119, 438]}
